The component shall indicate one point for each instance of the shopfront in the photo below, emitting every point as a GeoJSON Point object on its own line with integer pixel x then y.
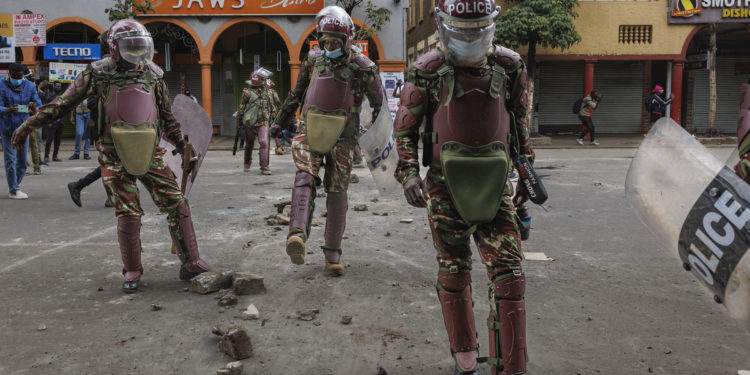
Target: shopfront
{"type": "Point", "coordinates": [210, 46]}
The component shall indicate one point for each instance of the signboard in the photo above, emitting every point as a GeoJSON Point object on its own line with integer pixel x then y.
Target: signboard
{"type": "Point", "coordinates": [361, 44]}
{"type": "Point", "coordinates": [30, 30]}
{"type": "Point", "coordinates": [7, 44]}
{"type": "Point", "coordinates": [235, 7]}
{"type": "Point", "coordinates": [390, 82]}
{"type": "Point", "coordinates": [64, 72]}
{"type": "Point", "coordinates": [60, 51]}
{"type": "Point", "coordinates": [709, 11]}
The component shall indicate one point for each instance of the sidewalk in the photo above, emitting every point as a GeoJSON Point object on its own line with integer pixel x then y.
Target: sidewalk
{"type": "Point", "coordinates": [566, 141]}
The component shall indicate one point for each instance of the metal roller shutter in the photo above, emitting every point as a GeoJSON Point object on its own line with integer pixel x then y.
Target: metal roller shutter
{"type": "Point", "coordinates": [559, 87]}
{"type": "Point", "coordinates": [727, 95]}
{"type": "Point", "coordinates": [217, 101]}
{"type": "Point", "coordinates": [621, 84]}
{"type": "Point", "coordinates": [192, 81]}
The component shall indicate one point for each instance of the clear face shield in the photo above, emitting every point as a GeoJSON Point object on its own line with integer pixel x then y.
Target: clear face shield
{"type": "Point", "coordinates": [136, 49]}
{"type": "Point", "coordinates": [264, 73]}
{"type": "Point", "coordinates": [464, 46]}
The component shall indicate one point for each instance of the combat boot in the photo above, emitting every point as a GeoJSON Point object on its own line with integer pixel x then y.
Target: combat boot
{"type": "Point", "coordinates": [75, 193]}
{"type": "Point", "coordinates": [334, 265]}
{"type": "Point", "coordinates": [128, 235]}
{"type": "Point", "coordinates": [295, 248]}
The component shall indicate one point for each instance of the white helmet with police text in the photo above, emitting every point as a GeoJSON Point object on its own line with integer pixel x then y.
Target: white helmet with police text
{"type": "Point", "coordinates": [466, 28]}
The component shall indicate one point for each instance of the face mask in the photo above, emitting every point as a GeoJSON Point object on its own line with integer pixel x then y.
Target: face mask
{"type": "Point", "coordinates": [468, 51]}
{"type": "Point", "coordinates": [334, 54]}
{"type": "Point", "coordinates": [16, 82]}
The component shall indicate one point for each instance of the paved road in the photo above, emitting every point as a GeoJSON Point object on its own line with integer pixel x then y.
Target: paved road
{"type": "Point", "coordinates": [613, 300]}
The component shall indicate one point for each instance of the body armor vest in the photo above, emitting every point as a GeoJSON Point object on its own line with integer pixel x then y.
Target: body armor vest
{"type": "Point", "coordinates": [327, 107]}
{"type": "Point", "coordinates": [474, 119]}
{"type": "Point", "coordinates": [472, 147]}
{"type": "Point", "coordinates": [131, 124]}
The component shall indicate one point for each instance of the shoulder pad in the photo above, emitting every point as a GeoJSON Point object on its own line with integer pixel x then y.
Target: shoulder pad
{"type": "Point", "coordinates": [430, 61]}
{"type": "Point", "coordinates": [105, 64]}
{"type": "Point", "coordinates": [507, 58]}
{"type": "Point", "coordinates": [156, 69]}
{"type": "Point", "coordinates": [314, 54]}
{"type": "Point", "coordinates": [363, 61]}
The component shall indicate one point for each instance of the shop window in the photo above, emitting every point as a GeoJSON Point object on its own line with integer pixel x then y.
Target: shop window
{"type": "Point", "coordinates": [632, 34]}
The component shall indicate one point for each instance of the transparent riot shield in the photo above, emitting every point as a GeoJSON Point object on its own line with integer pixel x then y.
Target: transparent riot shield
{"type": "Point", "coordinates": [379, 147]}
{"type": "Point", "coordinates": [699, 208]}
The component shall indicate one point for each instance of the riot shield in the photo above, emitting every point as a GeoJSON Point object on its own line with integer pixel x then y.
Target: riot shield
{"type": "Point", "coordinates": [699, 208]}
{"type": "Point", "coordinates": [194, 123]}
{"type": "Point", "coordinates": [379, 147]}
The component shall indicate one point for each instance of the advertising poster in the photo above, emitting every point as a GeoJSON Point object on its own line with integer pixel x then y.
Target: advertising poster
{"type": "Point", "coordinates": [64, 72]}
{"type": "Point", "coordinates": [30, 30]}
{"type": "Point", "coordinates": [390, 81]}
{"type": "Point", "coordinates": [7, 44]}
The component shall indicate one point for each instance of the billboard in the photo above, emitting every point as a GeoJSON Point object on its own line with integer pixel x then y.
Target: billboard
{"type": "Point", "coordinates": [67, 51]}
{"type": "Point", "coordinates": [708, 11]}
{"type": "Point", "coordinates": [235, 7]}
{"type": "Point", "coordinates": [7, 43]}
{"type": "Point", "coordinates": [64, 72]}
{"type": "Point", "coordinates": [30, 30]}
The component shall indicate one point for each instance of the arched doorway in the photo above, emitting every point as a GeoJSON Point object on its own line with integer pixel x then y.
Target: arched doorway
{"type": "Point", "coordinates": [732, 70]}
{"type": "Point", "coordinates": [238, 48]}
{"type": "Point", "coordinates": [177, 52]}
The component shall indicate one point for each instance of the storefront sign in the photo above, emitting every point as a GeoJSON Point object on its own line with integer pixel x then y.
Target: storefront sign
{"type": "Point", "coordinates": [709, 11]}
{"type": "Point", "coordinates": [7, 44]}
{"type": "Point", "coordinates": [235, 7]}
{"type": "Point", "coordinates": [64, 72]}
{"type": "Point", "coordinates": [30, 30]}
{"type": "Point", "coordinates": [58, 51]}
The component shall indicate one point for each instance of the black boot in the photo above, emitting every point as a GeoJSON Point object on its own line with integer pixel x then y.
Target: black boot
{"type": "Point", "coordinates": [75, 193]}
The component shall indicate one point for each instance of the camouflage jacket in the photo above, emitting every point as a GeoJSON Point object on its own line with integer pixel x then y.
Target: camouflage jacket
{"type": "Point", "coordinates": [97, 82]}
{"type": "Point", "coordinates": [356, 67]}
{"type": "Point", "coordinates": [423, 75]}
{"type": "Point", "coordinates": [255, 98]}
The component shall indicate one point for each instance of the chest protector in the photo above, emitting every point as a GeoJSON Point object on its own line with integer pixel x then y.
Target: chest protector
{"type": "Point", "coordinates": [132, 124]}
{"type": "Point", "coordinates": [326, 111]}
{"type": "Point", "coordinates": [472, 147]}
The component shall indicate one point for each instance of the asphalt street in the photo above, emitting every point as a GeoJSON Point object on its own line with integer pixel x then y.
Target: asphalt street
{"type": "Point", "coordinates": [603, 295]}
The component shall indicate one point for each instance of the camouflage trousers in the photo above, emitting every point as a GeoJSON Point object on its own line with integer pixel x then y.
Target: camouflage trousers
{"type": "Point", "coordinates": [338, 161]}
{"type": "Point", "coordinates": [160, 182]}
{"type": "Point", "coordinates": [498, 242]}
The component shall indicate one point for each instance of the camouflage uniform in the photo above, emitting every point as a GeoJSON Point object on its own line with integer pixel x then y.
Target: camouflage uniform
{"type": "Point", "coordinates": [742, 168]}
{"type": "Point", "coordinates": [359, 72]}
{"type": "Point", "coordinates": [120, 185]}
{"type": "Point", "coordinates": [498, 241]}
{"type": "Point", "coordinates": [256, 99]}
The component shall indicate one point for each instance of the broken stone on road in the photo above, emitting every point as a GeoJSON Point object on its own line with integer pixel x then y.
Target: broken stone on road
{"type": "Point", "coordinates": [234, 341]}
{"type": "Point", "coordinates": [209, 282]}
{"type": "Point", "coordinates": [247, 283]}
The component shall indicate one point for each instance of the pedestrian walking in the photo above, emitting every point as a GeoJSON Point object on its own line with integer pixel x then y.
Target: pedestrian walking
{"type": "Point", "coordinates": [656, 105]}
{"type": "Point", "coordinates": [80, 117]}
{"type": "Point", "coordinates": [588, 105]}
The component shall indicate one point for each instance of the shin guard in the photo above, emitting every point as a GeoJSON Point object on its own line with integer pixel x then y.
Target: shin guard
{"type": "Point", "coordinates": [507, 325]}
{"type": "Point", "coordinates": [129, 237]}
{"type": "Point", "coordinates": [263, 146]}
{"type": "Point", "coordinates": [186, 243]}
{"type": "Point", "coordinates": [454, 292]}
{"type": "Point", "coordinates": [303, 204]}
{"type": "Point", "coordinates": [336, 204]}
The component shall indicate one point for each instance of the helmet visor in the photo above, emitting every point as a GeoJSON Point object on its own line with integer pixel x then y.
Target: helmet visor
{"type": "Point", "coordinates": [467, 46]}
{"type": "Point", "coordinates": [136, 49]}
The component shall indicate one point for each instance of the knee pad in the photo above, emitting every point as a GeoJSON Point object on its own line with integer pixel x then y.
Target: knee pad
{"type": "Point", "coordinates": [453, 282]}
{"type": "Point", "coordinates": [304, 179]}
{"type": "Point", "coordinates": [509, 286]}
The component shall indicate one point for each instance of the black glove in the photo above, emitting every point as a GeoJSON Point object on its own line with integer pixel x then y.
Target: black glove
{"type": "Point", "coordinates": [179, 148]}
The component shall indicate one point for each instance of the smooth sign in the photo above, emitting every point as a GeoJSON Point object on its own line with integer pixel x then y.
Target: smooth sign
{"type": "Point", "coordinates": [57, 51]}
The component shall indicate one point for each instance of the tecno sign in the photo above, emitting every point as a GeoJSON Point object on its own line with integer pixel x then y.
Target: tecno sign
{"type": "Point", "coordinates": [56, 51]}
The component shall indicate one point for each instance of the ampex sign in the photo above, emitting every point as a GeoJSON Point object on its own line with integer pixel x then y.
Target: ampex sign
{"type": "Point", "coordinates": [709, 11]}
{"type": "Point", "coordinates": [235, 7]}
{"type": "Point", "coordinates": [57, 51]}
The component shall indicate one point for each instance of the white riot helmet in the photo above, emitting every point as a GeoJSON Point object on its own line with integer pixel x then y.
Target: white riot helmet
{"type": "Point", "coordinates": [466, 28]}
